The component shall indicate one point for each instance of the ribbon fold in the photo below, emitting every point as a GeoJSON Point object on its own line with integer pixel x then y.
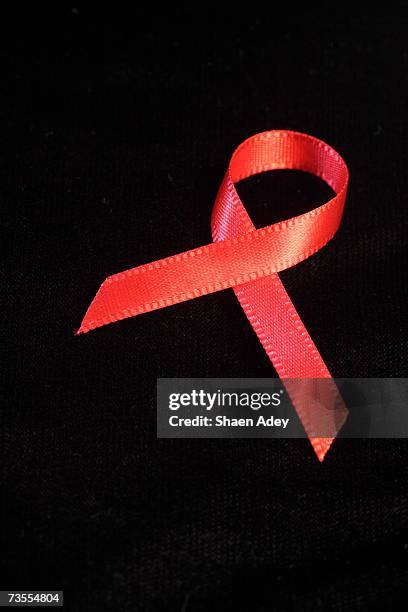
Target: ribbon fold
{"type": "Point", "coordinates": [247, 260]}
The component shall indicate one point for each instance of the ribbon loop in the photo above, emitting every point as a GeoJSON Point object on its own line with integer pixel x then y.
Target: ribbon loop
{"type": "Point", "coordinates": [247, 259]}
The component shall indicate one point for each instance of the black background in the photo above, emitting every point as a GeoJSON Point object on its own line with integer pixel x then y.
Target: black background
{"type": "Point", "coordinates": [115, 133]}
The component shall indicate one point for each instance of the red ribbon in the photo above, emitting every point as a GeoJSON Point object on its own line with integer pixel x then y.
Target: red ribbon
{"type": "Point", "coordinates": [247, 260]}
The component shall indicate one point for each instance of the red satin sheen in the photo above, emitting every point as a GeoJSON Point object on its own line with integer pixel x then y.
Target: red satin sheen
{"type": "Point", "coordinates": [247, 260]}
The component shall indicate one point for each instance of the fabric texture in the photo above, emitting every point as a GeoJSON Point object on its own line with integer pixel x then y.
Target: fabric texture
{"type": "Point", "coordinates": [115, 133]}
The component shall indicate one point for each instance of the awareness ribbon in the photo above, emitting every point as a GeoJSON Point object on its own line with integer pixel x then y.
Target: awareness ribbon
{"type": "Point", "coordinates": [248, 260]}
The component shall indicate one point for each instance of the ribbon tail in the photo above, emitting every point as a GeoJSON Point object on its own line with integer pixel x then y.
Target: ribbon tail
{"type": "Point", "coordinates": [321, 447]}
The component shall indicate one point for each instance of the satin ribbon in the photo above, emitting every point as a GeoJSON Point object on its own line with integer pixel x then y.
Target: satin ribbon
{"type": "Point", "coordinates": [248, 260]}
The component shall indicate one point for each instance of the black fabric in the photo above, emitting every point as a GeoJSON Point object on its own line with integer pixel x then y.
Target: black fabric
{"type": "Point", "coordinates": [116, 131]}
